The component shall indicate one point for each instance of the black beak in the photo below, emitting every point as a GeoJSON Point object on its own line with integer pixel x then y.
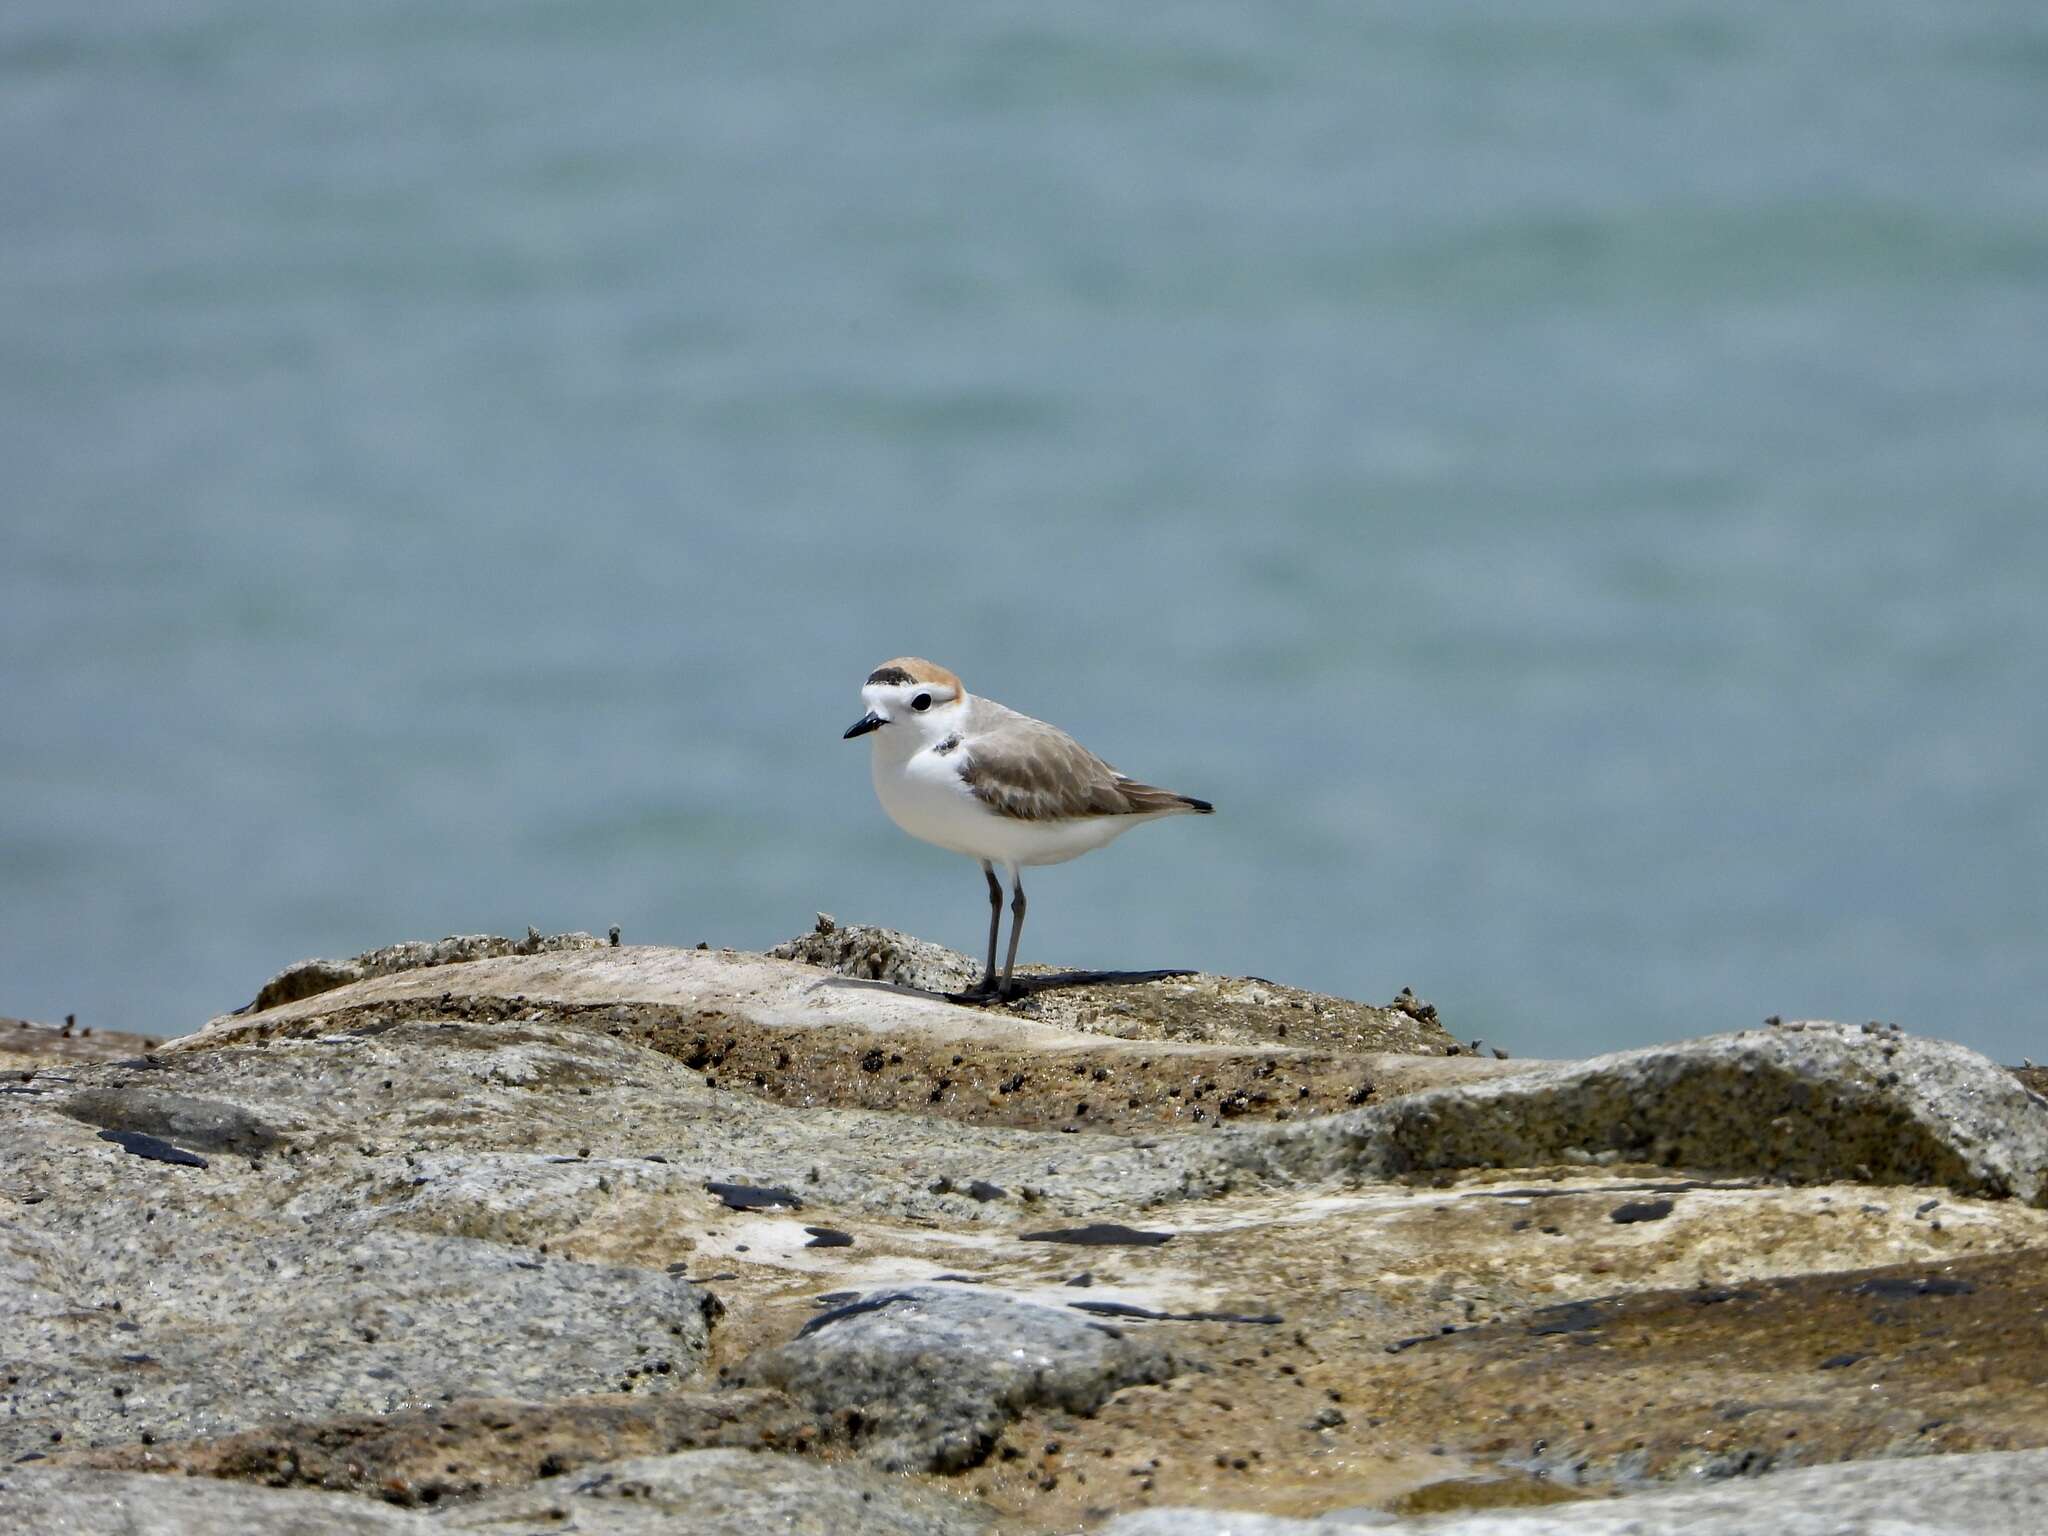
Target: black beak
{"type": "Point", "coordinates": [867, 722]}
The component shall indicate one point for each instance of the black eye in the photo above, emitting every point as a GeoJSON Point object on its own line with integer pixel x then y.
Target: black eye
{"type": "Point", "coordinates": [922, 702]}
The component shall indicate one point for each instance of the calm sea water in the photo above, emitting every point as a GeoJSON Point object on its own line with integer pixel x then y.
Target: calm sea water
{"type": "Point", "coordinates": [1570, 483]}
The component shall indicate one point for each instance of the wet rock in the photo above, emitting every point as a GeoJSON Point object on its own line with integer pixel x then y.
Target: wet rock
{"type": "Point", "coordinates": [722, 1493]}
{"type": "Point", "coordinates": [1100, 1234]}
{"type": "Point", "coordinates": [1826, 1102]}
{"type": "Point", "coordinates": [934, 1375]}
{"type": "Point", "coordinates": [309, 978]}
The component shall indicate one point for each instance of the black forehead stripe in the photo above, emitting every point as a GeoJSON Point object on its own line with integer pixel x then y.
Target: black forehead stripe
{"type": "Point", "coordinates": [887, 675]}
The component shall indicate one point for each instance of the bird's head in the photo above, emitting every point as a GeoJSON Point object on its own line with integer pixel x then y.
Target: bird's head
{"type": "Point", "coordinates": [912, 698]}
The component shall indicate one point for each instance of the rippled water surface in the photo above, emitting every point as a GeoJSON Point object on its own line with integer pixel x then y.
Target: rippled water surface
{"type": "Point", "coordinates": [1570, 483]}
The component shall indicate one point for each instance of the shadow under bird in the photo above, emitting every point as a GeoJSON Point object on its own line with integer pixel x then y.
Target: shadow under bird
{"type": "Point", "coordinates": [971, 776]}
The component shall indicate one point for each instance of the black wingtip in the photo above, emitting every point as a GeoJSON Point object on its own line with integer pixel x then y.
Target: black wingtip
{"type": "Point", "coordinates": [1199, 807]}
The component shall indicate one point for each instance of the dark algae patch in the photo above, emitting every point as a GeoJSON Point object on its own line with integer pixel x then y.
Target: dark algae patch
{"type": "Point", "coordinates": [1640, 1210]}
{"type": "Point", "coordinates": [1147, 1315]}
{"type": "Point", "coordinates": [155, 1148]}
{"type": "Point", "coordinates": [851, 1309]}
{"type": "Point", "coordinates": [1570, 1317]}
{"type": "Point", "coordinates": [1663, 1383]}
{"type": "Point", "coordinates": [750, 1197]}
{"type": "Point", "coordinates": [1906, 1287]}
{"type": "Point", "coordinates": [1101, 1234]}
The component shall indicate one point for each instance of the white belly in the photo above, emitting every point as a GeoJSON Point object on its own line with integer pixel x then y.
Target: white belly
{"type": "Point", "coordinates": [927, 798]}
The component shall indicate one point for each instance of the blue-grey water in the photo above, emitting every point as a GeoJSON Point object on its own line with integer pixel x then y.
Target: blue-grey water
{"type": "Point", "coordinates": [1569, 481]}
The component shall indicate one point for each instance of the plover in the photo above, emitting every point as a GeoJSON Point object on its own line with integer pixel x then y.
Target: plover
{"type": "Point", "coordinates": [971, 776]}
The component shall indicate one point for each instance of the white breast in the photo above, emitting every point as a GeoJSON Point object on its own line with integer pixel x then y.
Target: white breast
{"type": "Point", "coordinates": [925, 796]}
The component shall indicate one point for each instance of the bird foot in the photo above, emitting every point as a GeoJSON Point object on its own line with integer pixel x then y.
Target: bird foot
{"type": "Point", "coordinates": [989, 990]}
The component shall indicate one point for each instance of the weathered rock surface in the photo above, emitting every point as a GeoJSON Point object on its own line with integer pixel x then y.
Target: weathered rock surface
{"type": "Point", "coordinates": [1981, 1495]}
{"type": "Point", "coordinates": [708, 1493]}
{"type": "Point", "coordinates": [309, 978]}
{"type": "Point", "coordinates": [723, 1493]}
{"type": "Point", "coordinates": [1143, 1005]}
{"type": "Point", "coordinates": [936, 1374]}
{"type": "Point", "coordinates": [75, 1501]}
{"type": "Point", "coordinates": [468, 1446]}
{"type": "Point", "coordinates": [1807, 1102]}
{"type": "Point", "coordinates": [188, 1327]}
{"type": "Point", "coordinates": [466, 1231]}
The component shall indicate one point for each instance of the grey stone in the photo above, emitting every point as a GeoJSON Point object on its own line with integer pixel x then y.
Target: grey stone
{"type": "Point", "coordinates": [936, 1373]}
{"type": "Point", "coordinates": [1826, 1102]}
{"type": "Point", "coordinates": [721, 1493]}
{"type": "Point", "coordinates": [68, 1501]}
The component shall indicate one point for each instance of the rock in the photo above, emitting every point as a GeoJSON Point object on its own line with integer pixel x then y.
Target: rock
{"type": "Point", "coordinates": [722, 1493]}
{"type": "Point", "coordinates": [543, 1177]}
{"type": "Point", "coordinates": [935, 1374]}
{"type": "Point", "coordinates": [309, 978]}
{"type": "Point", "coordinates": [1094, 1055]}
{"type": "Point", "coordinates": [1988, 1494]}
{"type": "Point", "coordinates": [1819, 1103]}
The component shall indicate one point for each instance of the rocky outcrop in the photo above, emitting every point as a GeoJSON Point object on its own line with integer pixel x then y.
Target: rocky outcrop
{"type": "Point", "coordinates": [309, 978]}
{"type": "Point", "coordinates": [936, 1374]}
{"type": "Point", "coordinates": [1803, 1102]}
{"type": "Point", "coordinates": [585, 1236]}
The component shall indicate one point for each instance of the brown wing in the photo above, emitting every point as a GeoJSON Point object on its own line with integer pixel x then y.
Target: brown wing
{"type": "Point", "coordinates": [1035, 772]}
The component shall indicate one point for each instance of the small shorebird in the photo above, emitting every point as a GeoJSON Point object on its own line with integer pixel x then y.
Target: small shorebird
{"type": "Point", "coordinates": [1000, 787]}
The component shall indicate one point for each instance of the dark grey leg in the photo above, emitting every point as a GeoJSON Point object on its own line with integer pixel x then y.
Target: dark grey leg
{"type": "Point", "coordinates": [995, 925]}
{"type": "Point", "coordinates": [1016, 926]}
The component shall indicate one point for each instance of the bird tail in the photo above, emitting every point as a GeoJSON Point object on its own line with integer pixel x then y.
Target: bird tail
{"type": "Point", "coordinates": [1151, 800]}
